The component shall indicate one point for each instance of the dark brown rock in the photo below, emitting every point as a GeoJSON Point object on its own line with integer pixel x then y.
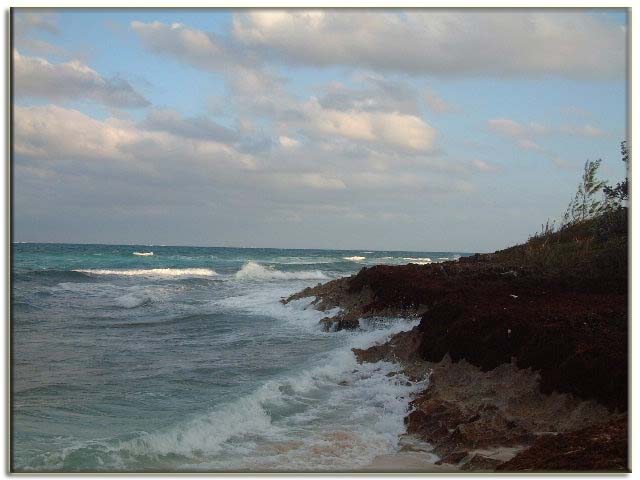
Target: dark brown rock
{"type": "Point", "coordinates": [453, 458]}
{"type": "Point", "coordinates": [480, 463]}
{"type": "Point", "coordinates": [602, 448]}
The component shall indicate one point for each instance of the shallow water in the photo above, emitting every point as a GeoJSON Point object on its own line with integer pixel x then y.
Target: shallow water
{"type": "Point", "coordinates": [185, 359]}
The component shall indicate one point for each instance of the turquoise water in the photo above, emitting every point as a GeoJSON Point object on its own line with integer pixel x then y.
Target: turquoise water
{"type": "Point", "coordinates": [147, 358]}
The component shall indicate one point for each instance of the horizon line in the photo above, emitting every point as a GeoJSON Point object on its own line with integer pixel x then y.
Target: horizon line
{"type": "Point", "coordinates": [253, 247]}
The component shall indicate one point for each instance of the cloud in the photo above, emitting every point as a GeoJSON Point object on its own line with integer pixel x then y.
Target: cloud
{"type": "Point", "coordinates": [27, 22]}
{"type": "Point", "coordinates": [585, 131]}
{"type": "Point", "coordinates": [288, 142]}
{"type": "Point", "coordinates": [187, 45]}
{"type": "Point", "coordinates": [37, 77]}
{"type": "Point", "coordinates": [437, 104]}
{"type": "Point", "coordinates": [483, 166]}
{"type": "Point", "coordinates": [199, 128]}
{"type": "Point", "coordinates": [376, 93]}
{"type": "Point", "coordinates": [139, 173]}
{"type": "Point", "coordinates": [526, 133]}
{"type": "Point", "coordinates": [314, 180]}
{"type": "Point", "coordinates": [42, 133]}
{"type": "Point", "coordinates": [440, 42]}
{"type": "Point", "coordinates": [391, 128]}
{"type": "Point", "coordinates": [40, 47]}
{"type": "Point", "coordinates": [253, 86]}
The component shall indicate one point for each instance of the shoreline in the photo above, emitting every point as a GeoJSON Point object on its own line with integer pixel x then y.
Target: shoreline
{"type": "Point", "coordinates": [527, 371]}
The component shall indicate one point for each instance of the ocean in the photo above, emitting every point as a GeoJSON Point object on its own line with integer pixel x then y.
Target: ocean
{"type": "Point", "coordinates": [161, 358]}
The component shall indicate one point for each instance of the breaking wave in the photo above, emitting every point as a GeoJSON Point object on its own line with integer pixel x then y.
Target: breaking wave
{"type": "Point", "coordinates": [419, 261]}
{"type": "Point", "coordinates": [143, 254]}
{"type": "Point", "coordinates": [155, 272]}
{"type": "Point", "coordinates": [131, 300]}
{"type": "Point", "coordinates": [276, 427]}
{"type": "Point", "coordinates": [354, 258]}
{"type": "Point", "coordinates": [255, 271]}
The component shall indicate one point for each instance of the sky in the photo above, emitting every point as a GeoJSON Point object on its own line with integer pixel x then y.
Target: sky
{"type": "Point", "coordinates": [418, 129]}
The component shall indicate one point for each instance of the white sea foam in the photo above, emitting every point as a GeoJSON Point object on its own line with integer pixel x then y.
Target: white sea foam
{"type": "Point", "coordinates": [419, 260]}
{"type": "Point", "coordinates": [143, 254]}
{"type": "Point", "coordinates": [354, 258]}
{"type": "Point", "coordinates": [330, 414]}
{"type": "Point", "coordinates": [351, 413]}
{"type": "Point", "coordinates": [131, 300]}
{"type": "Point", "coordinates": [155, 272]}
{"type": "Point", "coordinates": [255, 271]}
{"type": "Point", "coordinates": [265, 301]}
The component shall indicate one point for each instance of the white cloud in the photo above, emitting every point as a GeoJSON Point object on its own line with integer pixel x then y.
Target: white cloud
{"type": "Point", "coordinates": [43, 133]}
{"type": "Point", "coordinates": [191, 46]}
{"type": "Point", "coordinates": [454, 42]}
{"type": "Point", "coordinates": [37, 77]}
{"type": "Point", "coordinates": [288, 142]}
{"type": "Point", "coordinates": [391, 128]}
{"type": "Point", "coordinates": [256, 88]}
{"type": "Point", "coordinates": [205, 51]}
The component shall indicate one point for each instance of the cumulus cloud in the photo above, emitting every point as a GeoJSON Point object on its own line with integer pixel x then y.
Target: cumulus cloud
{"type": "Point", "coordinates": [392, 128]}
{"type": "Point", "coordinates": [440, 42]}
{"type": "Point", "coordinates": [43, 132]}
{"type": "Point", "coordinates": [37, 77]}
{"type": "Point", "coordinates": [253, 86]}
{"type": "Point", "coordinates": [187, 45]}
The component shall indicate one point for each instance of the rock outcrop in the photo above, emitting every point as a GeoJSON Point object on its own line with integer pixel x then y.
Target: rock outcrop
{"type": "Point", "coordinates": [521, 364]}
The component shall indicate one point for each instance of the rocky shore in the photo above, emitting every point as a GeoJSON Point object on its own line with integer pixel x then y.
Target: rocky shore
{"type": "Point", "coordinates": [528, 369]}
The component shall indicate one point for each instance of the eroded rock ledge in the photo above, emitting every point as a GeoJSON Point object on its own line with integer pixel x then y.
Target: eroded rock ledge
{"type": "Point", "coordinates": [527, 372]}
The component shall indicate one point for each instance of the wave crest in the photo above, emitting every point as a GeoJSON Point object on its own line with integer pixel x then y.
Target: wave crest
{"type": "Point", "coordinates": [255, 271]}
{"type": "Point", "coordinates": [132, 301]}
{"type": "Point", "coordinates": [354, 258]}
{"type": "Point", "coordinates": [155, 272]}
{"type": "Point", "coordinates": [418, 261]}
{"type": "Point", "coordinates": [143, 254]}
